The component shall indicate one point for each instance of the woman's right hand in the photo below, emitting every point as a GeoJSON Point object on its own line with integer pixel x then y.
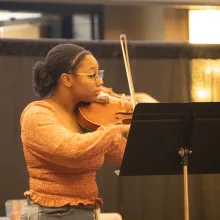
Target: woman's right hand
{"type": "Point", "coordinates": [125, 130]}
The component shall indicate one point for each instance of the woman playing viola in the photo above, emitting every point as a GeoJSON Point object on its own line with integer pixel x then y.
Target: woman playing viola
{"type": "Point", "coordinates": [62, 160]}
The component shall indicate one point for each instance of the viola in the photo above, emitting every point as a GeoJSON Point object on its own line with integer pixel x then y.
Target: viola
{"type": "Point", "coordinates": [110, 107]}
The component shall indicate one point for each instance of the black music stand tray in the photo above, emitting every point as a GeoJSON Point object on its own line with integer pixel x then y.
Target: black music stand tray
{"type": "Point", "coordinates": [173, 138]}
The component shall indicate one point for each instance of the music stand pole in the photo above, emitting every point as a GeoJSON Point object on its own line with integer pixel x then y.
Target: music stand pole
{"type": "Point", "coordinates": [184, 153]}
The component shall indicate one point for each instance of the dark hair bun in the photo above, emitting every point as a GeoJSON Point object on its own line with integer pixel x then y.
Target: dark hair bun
{"type": "Point", "coordinates": [63, 58]}
{"type": "Point", "coordinates": [42, 82]}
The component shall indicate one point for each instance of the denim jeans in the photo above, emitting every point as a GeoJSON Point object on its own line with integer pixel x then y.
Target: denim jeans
{"type": "Point", "coordinates": [33, 211]}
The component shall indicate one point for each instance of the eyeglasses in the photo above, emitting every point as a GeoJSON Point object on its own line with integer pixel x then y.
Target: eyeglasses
{"type": "Point", "coordinates": [96, 76]}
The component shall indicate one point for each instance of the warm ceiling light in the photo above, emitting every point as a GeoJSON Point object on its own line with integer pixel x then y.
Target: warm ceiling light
{"type": "Point", "coordinates": [204, 26]}
{"type": "Point", "coordinates": [4, 16]}
{"type": "Point", "coordinates": [203, 94]}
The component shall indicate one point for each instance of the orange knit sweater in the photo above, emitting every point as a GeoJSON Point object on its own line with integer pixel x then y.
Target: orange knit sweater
{"type": "Point", "coordinates": [62, 165]}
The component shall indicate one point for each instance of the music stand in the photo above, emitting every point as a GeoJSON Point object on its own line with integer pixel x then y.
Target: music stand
{"type": "Point", "coordinates": [171, 139]}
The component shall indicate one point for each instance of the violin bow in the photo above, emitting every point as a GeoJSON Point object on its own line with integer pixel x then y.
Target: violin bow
{"type": "Point", "coordinates": [124, 47]}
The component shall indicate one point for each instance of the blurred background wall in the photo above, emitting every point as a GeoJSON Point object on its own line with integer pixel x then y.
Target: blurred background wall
{"type": "Point", "coordinates": [174, 51]}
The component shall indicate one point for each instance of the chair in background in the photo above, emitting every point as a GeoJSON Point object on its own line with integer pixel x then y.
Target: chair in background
{"type": "Point", "coordinates": [110, 216]}
{"type": "Point", "coordinates": [13, 208]}
{"type": "Point", "coordinates": [4, 218]}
